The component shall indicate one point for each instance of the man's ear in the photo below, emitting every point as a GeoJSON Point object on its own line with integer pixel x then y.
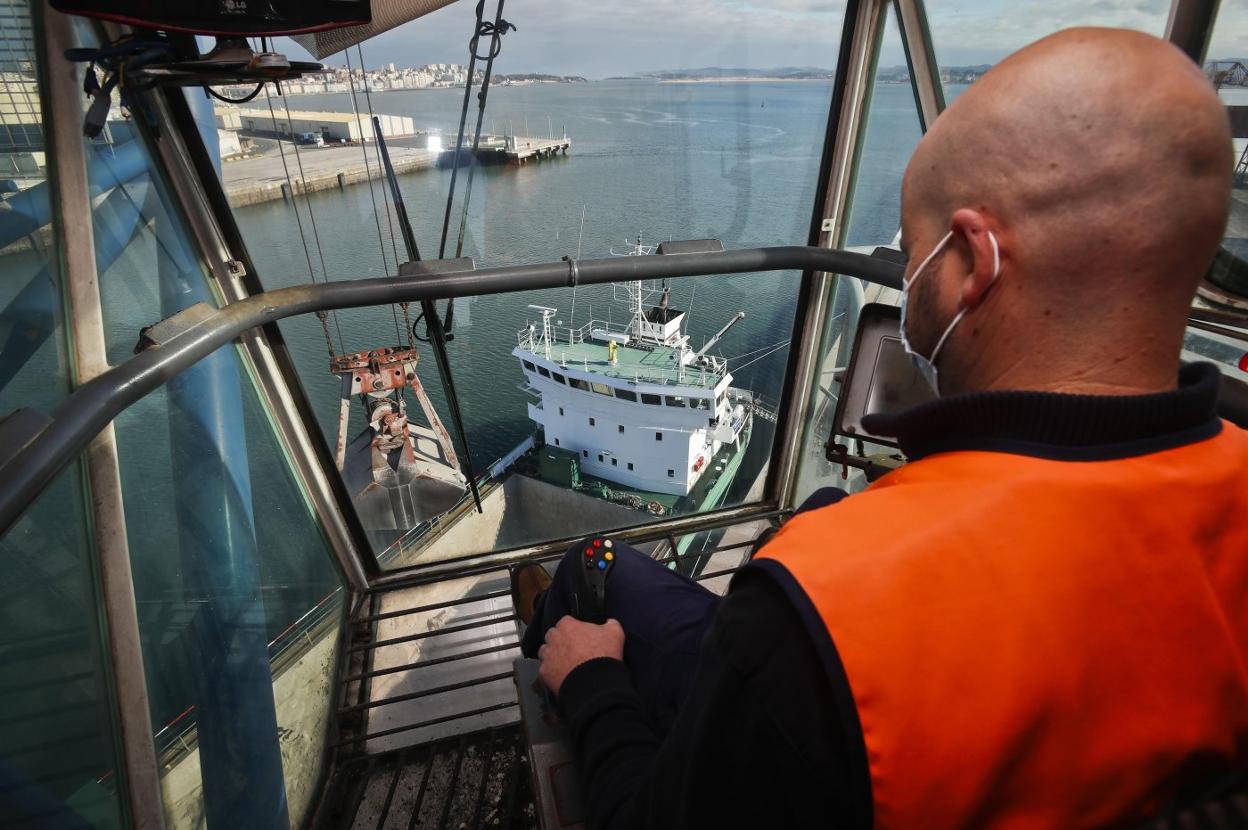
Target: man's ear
{"type": "Point", "coordinates": [980, 246]}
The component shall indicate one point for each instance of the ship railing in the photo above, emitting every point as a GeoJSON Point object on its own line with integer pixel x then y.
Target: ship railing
{"type": "Point", "coordinates": [533, 338]}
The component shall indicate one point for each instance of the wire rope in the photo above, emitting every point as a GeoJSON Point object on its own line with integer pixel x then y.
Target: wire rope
{"type": "Point", "coordinates": [761, 356]}
{"type": "Point", "coordinates": [368, 99]}
{"type": "Point", "coordinates": [303, 238]}
{"type": "Point", "coordinates": [307, 200]}
{"type": "Point", "coordinates": [368, 172]}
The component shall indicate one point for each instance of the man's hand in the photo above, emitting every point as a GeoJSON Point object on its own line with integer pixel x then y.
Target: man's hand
{"type": "Point", "coordinates": [572, 642]}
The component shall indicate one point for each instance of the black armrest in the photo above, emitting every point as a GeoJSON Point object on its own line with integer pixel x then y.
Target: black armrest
{"type": "Point", "coordinates": [1233, 401]}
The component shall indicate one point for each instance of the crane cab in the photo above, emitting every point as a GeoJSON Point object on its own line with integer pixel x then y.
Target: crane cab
{"type": "Point", "coordinates": [211, 614]}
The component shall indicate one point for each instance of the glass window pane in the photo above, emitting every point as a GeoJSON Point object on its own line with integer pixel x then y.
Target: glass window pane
{"type": "Point", "coordinates": [33, 357]}
{"type": "Point", "coordinates": [1225, 288]}
{"type": "Point", "coordinates": [892, 131]}
{"type": "Point", "coordinates": [659, 144]}
{"type": "Point", "coordinates": [969, 37]}
{"type": "Point", "coordinates": [239, 600]}
{"type": "Point", "coordinates": [58, 740]}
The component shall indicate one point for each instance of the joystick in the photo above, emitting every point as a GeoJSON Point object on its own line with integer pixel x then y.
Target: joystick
{"type": "Point", "coordinates": [596, 558]}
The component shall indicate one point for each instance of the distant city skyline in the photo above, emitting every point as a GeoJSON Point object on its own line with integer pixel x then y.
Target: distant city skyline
{"type": "Point", "coordinates": [654, 35]}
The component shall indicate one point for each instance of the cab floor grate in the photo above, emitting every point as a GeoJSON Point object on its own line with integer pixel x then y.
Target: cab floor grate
{"type": "Point", "coordinates": [477, 780]}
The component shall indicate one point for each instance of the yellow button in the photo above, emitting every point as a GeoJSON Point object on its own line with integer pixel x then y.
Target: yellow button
{"type": "Point", "coordinates": [609, 556]}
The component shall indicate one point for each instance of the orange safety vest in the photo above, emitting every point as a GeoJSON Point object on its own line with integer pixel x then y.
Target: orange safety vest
{"type": "Point", "coordinates": [1033, 643]}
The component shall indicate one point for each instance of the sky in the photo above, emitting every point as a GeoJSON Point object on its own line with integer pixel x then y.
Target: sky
{"type": "Point", "coordinates": [603, 39]}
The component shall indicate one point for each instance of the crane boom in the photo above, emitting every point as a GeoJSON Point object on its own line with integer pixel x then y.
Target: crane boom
{"type": "Point", "coordinates": [711, 343]}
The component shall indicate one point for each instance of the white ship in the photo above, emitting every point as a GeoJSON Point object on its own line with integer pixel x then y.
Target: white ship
{"type": "Point", "coordinates": [635, 406]}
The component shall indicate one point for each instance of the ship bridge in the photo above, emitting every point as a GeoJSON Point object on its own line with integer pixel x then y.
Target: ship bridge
{"type": "Point", "coordinates": [198, 627]}
{"type": "Point", "coordinates": [589, 349]}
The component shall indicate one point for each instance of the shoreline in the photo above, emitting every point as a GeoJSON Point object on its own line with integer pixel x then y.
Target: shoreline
{"type": "Point", "coordinates": [739, 79]}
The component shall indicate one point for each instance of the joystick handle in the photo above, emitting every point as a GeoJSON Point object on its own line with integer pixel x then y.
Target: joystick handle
{"type": "Point", "coordinates": [595, 559]}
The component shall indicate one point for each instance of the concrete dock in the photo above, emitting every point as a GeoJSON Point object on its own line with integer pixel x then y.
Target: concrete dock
{"type": "Point", "coordinates": [262, 178]}
{"type": "Point", "coordinates": [520, 150]}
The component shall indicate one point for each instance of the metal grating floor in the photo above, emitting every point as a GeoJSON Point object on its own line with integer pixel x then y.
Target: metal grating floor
{"type": "Point", "coordinates": [428, 721]}
{"type": "Point", "coordinates": [478, 780]}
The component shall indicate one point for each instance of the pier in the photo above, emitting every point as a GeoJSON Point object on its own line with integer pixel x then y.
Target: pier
{"type": "Point", "coordinates": [521, 150]}
{"type": "Point", "coordinates": [511, 149]}
{"type": "Point", "coordinates": [262, 178]}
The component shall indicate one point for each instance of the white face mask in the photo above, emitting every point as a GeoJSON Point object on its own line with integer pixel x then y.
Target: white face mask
{"type": "Point", "coordinates": [927, 365]}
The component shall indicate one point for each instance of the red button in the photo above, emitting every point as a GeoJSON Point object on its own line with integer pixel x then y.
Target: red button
{"type": "Point", "coordinates": [597, 543]}
{"type": "Point", "coordinates": [589, 551]}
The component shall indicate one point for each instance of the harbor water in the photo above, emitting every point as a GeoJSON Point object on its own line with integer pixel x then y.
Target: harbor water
{"type": "Point", "coordinates": [735, 161]}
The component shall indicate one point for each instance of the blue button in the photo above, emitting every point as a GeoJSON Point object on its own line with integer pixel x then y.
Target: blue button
{"type": "Point", "coordinates": [602, 566]}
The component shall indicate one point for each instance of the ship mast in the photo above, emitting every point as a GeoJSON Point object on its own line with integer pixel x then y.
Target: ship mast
{"type": "Point", "coordinates": [636, 293]}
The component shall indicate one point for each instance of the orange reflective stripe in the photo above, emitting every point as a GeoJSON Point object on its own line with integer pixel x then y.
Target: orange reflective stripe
{"type": "Point", "coordinates": [1036, 643]}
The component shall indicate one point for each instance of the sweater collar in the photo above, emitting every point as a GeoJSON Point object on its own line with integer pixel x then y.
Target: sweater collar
{"type": "Point", "coordinates": [1060, 426]}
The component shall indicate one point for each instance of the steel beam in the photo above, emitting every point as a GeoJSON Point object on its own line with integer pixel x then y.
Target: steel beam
{"type": "Point", "coordinates": [1191, 26]}
{"type": "Point", "coordinates": [916, 38]}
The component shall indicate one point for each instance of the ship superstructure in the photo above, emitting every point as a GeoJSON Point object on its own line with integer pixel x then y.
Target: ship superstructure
{"type": "Point", "coordinates": [634, 402]}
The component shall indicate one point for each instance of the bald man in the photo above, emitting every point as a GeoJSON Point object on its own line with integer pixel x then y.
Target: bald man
{"type": "Point", "coordinates": [1041, 620]}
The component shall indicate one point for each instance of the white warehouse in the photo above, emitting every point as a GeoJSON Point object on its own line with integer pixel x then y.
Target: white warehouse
{"type": "Point", "coordinates": [332, 126]}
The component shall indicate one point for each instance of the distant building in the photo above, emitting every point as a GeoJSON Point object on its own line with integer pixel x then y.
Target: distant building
{"type": "Point", "coordinates": [330, 126]}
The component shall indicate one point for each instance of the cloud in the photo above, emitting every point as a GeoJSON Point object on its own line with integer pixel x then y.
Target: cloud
{"type": "Point", "coordinates": [643, 35]}
{"type": "Point", "coordinates": [984, 32]}
{"type": "Point", "coordinates": [1230, 35]}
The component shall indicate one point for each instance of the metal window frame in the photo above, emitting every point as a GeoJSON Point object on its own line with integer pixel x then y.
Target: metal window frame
{"type": "Point", "coordinates": [916, 40]}
{"type": "Point", "coordinates": [61, 87]}
{"type": "Point", "coordinates": [1190, 26]}
{"type": "Point", "coordinates": [861, 35]}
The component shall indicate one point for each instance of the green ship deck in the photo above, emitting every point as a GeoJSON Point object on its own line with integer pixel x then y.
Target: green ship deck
{"type": "Point", "coordinates": [640, 365]}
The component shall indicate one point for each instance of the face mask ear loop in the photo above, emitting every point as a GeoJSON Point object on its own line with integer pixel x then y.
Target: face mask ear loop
{"type": "Point", "coordinates": [940, 344]}
{"type": "Point", "coordinates": [918, 272]}
{"type": "Point", "coordinates": [996, 272]}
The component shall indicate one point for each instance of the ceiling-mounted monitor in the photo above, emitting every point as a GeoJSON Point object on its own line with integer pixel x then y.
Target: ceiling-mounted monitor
{"type": "Point", "coordinates": [226, 18]}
